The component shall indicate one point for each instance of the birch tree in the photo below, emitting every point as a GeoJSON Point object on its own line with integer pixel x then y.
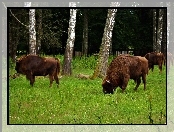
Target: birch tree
{"type": "Point", "coordinates": [32, 31]}
{"type": "Point", "coordinates": [67, 70]}
{"type": "Point", "coordinates": [159, 30]}
{"type": "Point", "coordinates": [154, 30]}
{"type": "Point", "coordinates": [101, 67]}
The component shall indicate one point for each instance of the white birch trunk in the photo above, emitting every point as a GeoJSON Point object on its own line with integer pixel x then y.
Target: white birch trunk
{"type": "Point", "coordinates": [32, 32]}
{"type": "Point", "coordinates": [67, 70]}
{"type": "Point", "coordinates": [101, 67]}
{"type": "Point", "coordinates": [154, 30]}
{"type": "Point", "coordinates": [159, 31]}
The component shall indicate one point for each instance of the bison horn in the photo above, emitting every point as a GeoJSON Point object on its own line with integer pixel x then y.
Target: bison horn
{"type": "Point", "coordinates": [107, 81]}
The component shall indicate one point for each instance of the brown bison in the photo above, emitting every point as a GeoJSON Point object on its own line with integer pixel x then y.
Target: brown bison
{"type": "Point", "coordinates": [33, 65]}
{"type": "Point", "coordinates": [123, 68]}
{"type": "Point", "coordinates": [155, 58]}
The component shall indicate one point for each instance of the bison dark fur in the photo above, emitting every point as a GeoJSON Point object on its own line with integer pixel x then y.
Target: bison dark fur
{"type": "Point", "coordinates": [123, 68]}
{"type": "Point", "coordinates": [155, 58]}
{"type": "Point", "coordinates": [33, 65]}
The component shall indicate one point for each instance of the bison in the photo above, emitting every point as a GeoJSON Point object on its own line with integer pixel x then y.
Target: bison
{"type": "Point", "coordinates": [155, 58]}
{"type": "Point", "coordinates": [123, 68]}
{"type": "Point", "coordinates": [33, 65]}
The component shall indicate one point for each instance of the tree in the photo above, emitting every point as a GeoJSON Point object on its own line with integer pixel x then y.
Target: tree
{"type": "Point", "coordinates": [164, 32]}
{"type": "Point", "coordinates": [14, 35]}
{"type": "Point", "coordinates": [102, 63]}
{"type": "Point", "coordinates": [67, 70]}
{"type": "Point", "coordinates": [85, 33]}
{"type": "Point", "coordinates": [159, 30]}
{"type": "Point", "coordinates": [39, 37]}
{"type": "Point", "coordinates": [154, 30]}
{"type": "Point", "coordinates": [32, 32]}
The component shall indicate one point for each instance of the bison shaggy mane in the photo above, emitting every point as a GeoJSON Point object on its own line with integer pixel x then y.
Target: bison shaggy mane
{"type": "Point", "coordinates": [123, 68]}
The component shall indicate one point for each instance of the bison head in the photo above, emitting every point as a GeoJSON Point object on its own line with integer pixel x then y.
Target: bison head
{"type": "Point", "coordinates": [17, 66]}
{"type": "Point", "coordinates": [107, 87]}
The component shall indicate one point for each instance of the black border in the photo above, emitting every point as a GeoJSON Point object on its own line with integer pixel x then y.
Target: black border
{"type": "Point", "coordinates": [8, 8]}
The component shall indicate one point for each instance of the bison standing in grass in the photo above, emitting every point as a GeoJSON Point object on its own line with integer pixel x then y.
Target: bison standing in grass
{"type": "Point", "coordinates": [33, 65]}
{"type": "Point", "coordinates": [155, 58]}
{"type": "Point", "coordinates": [123, 68]}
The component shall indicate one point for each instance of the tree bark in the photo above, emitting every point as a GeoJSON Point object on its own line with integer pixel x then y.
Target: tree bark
{"type": "Point", "coordinates": [67, 70]}
{"type": "Point", "coordinates": [154, 30]}
{"type": "Point", "coordinates": [85, 33]}
{"type": "Point", "coordinates": [102, 64]}
{"type": "Point", "coordinates": [32, 32]}
{"type": "Point", "coordinates": [164, 32]}
{"type": "Point", "coordinates": [39, 38]}
{"type": "Point", "coordinates": [159, 30]}
{"type": "Point", "coordinates": [13, 37]}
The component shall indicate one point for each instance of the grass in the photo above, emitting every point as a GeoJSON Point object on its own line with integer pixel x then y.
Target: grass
{"type": "Point", "coordinates": [79, 101]}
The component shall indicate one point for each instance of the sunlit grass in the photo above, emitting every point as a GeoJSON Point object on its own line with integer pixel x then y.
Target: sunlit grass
{"type": "Point", "coordinates": [79, 101]}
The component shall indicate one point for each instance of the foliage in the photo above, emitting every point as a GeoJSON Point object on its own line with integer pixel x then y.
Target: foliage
{"type": "Point", "coordinates": [133, 28]}
{"type": "Point", "coordinates": [79, 101]}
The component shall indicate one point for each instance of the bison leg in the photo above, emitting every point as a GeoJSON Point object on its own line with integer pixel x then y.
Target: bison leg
{"type": "Point", "coordinates": [32, 80]}
{"type": "Point", "coordinates": [152, 67]}
{"type": "Point", "coordinates": [51, 80]}
{"type": "Point", "coordinates": [160, 68]}
{"type": "Point", "coordinates": [138, 83]}
{"type": "Point", "coordinates": [144, 80]}
{"type": "Point", "coordinates": [125, 82]}
{"type": "Point", "coordinates": [57, 79]}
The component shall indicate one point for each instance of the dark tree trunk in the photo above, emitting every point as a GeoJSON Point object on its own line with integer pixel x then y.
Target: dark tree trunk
{"type": "Point", "coordinates": [39, 38]}
{"type": "Point", "coordinates": [154, 30]}
{"type": "Point", "coordinates": [13, 37]}
{"type": "Point", "coordinates": [164, 33]}
{"type": "Point", "coordinates": [85, 33]}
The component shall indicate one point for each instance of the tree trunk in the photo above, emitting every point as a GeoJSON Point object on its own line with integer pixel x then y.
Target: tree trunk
{"type": "Point", "coordinates": [32, 32]}
{"type": "Point", "coordinates": [154, 30]}
{"type": "Point", "coordinates": [39, 38]}
{"type": "Point", "coordinates": [85, 33]}
{"type": "Point", "coordinates": [13, 37]}
{"type": "Point", "coordinates": [159, 30]}
{"type": "Point", "coordinates": [102, 64]}
{"type": "Point", "coordinates": [67, 70]}
{"type": "Point", "coordinates": [164, 32]}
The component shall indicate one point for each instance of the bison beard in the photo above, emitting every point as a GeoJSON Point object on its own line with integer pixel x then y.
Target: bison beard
{"type": "Point", "coordinates": [33, 65]}
{"type": "Point", "coordinates": [123, 68]}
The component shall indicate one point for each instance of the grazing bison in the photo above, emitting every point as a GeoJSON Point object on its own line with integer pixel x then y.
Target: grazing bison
{"type": "Point", "coordinates": [123, 68]}
{"type": "Point", "coordinates": [155, 58]}
{"type": "Point", "coordinates": [33, 65]}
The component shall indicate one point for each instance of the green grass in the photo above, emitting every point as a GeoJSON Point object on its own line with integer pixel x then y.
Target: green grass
{"type": "Point", "coordinates": [79, 101]}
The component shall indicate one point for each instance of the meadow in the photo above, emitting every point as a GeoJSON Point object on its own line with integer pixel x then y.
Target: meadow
{"type": "Point", "coordinates": [81, 101]}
